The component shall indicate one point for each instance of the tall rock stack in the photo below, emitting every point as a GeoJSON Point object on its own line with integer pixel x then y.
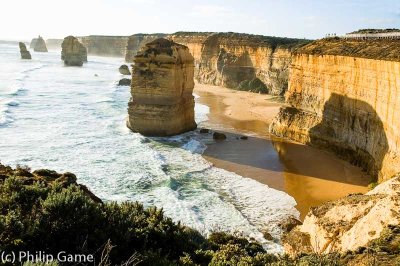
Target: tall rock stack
{"type": "Point", "coordinates": [25, 54]}
{"type": "Point", "coordinates": [162, 103]}
{"type": "Point", "coordinates": [40, 45]}
{"type": "Point", "coordinates": [73, 52]}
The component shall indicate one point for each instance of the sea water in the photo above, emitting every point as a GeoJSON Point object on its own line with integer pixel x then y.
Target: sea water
{"type": "Point", "coordinates": [73, 119]}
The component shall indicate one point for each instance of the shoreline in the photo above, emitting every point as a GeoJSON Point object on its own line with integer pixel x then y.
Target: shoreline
{"type": "Point", "coordinates": [309, 175]}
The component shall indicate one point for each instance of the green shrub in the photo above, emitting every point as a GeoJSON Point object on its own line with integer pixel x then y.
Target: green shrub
{"type": "Point", "coordinates": [254, 85]}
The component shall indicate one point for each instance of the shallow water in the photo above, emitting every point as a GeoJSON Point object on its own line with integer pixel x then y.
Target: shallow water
{"type": "Point", "coordinates": [310, 175]}
{"type": "Point", "coordinates": [68, 119]}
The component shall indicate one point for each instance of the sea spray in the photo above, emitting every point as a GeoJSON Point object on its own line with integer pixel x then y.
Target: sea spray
{"type": "Point", "coordinates": [69, 120]}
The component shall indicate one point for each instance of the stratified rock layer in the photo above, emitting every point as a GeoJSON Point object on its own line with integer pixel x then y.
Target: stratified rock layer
{"type": "Point", "coordinates": [162, 103]}
{"type": "Point", "coordinates": [73, 52]}
{"type": "Point", "coordinates": [40, 45]}
{"type": "Point", "coordinates": [348, 105]}
{"type": "Point", "coordinates": [25, 54]}
{"type": "Point", "coordinates": [234, 60]}
{"type": "Point", "coordinates": [348, 223]}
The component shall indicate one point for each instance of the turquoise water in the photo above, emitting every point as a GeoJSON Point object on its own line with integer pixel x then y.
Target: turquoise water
{"type": "Point", "coordinates": [69, 119]}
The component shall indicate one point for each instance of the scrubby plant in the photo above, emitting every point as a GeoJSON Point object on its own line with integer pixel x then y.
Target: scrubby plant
{"type": "Point", "coordinates": [57, 214]}
{"type": "Point", "coordinates": [253, 85]}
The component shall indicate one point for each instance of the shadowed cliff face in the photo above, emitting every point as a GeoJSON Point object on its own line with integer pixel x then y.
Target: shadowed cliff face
{"type": "Point", "coordinates": [348, 105]}
{"type": "Point", "coordinates": [347, 127]}
{"type": "Point", "coordinates": [353, 130]}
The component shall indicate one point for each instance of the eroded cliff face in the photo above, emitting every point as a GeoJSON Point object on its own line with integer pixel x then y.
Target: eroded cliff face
{"type": "Point", "coordinates": [348, 223]}
{"type": "Point", "coordinates": [137, 42]}
{"type": "Point", "coordinates": [234, 60]}
{"type": "Point", "coordinates": [105, 45]}
{"type": "Point", "coordinates": [346, 104]}
{"type": "Point", "coordinates": [194, 41]}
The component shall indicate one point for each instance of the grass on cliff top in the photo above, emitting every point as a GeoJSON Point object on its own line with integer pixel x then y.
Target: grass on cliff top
{"type": "Point", "coordinates": [380, 49]}
{"type": "Point", "coordinates": [374, 31]}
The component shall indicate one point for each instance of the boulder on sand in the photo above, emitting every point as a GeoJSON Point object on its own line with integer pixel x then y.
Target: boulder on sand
{"type": "Point", "coordinates": [219, 136]}
{"type": "Point", "coordinates": [25, 54]}
{"type": "Point", "coordinates": [73, 52]}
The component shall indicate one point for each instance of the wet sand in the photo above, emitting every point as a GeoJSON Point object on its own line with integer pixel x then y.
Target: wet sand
{"type": "Point", "coordinates": [309, 175]}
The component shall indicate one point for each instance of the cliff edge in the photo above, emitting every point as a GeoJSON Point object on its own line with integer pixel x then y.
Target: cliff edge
{"type": "Point", "coordinates": [343, 97]}
{"type": "Point", "coordinates": [234, 60]}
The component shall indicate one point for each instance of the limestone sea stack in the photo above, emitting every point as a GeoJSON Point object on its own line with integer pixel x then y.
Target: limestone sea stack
{"type": "Point", "coordinates": [162, 103]}
{"type": "Point", "coordinates": [25, 54]}
{"type": "Point", "coordinates": [40, 45]}
{"type": "Point", "coordinates": [73, 53]}
{"type": "Point", "coordinates": [33, 43]}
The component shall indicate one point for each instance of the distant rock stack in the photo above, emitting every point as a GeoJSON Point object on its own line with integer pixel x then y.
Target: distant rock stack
{"type": "Point", "coordinates": [25, 54]}
{"type": "Point", "coordinates": [162, 103]}
{"type": "Point", "coordinates": [73, 52]}
{"type": "Point", "coordinates": [40, 45]}
{"type": "Point", "coordinates": [33, 43]}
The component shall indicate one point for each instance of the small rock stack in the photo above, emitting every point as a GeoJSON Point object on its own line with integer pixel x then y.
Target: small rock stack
{"type": "Point", "coordinates": [40, 45]}
{"type": "Point", "coordinates": [162, 103]}
{"type": "Point", "coordinates": [73, 52]}
{"type": "Point", "coordinates": [25, 54]}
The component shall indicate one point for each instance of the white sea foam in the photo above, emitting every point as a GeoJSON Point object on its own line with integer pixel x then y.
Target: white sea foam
{"type": "Point", "coordinates": [66, 119]}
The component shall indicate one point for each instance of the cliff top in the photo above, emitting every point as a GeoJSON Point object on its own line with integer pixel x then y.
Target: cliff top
{"type": "Point", "coordinates": [379, 49]}
{"type": "Point", "coordinates": [160, 46]}
{"type": "Point", "coordinates": [233, 38]}
{"type": "Point", "coordinates": [374, 31]}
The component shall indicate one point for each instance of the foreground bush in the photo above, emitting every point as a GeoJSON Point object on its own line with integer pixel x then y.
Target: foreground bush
{"type": "Point", "coordinates": [50, 212]}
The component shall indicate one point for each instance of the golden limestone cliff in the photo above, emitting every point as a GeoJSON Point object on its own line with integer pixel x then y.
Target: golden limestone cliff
{"type": "Point", "coordinates": [194, 41]}
{"type": "Point", "coordinates": [346, 103]}
{"type": "Point", "coordinates": [240, 61]}
{"type": "Point", "coordinates": [344, 96]}
{"type": "Point", "coordinates": [247, 62]}
{"type": "Point", "coordinates": [162, 103]}
{"type": "Point", "coordinates": [349, 223]}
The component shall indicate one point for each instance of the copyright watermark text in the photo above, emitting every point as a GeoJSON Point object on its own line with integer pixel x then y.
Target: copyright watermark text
{"type": "Point", "coordinates": [43, 257]}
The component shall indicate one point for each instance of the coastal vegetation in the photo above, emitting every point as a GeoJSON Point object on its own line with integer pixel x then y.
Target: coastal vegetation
{"type": "Point", "coordinates": [48, 211]}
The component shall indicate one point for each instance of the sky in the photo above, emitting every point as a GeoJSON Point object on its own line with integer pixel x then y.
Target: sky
{"type": "Point", "coordinates": [25, 19]}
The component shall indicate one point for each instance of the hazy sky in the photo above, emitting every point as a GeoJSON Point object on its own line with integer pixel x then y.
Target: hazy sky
{"type": "Point", "coordinates": [24, 19]}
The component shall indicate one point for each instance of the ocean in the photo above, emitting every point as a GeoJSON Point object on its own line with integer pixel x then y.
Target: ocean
{"type": "Point", "coordinates": [73, 119]}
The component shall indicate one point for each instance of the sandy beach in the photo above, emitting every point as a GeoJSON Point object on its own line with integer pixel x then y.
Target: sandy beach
{"type": "Point", "coordinates": [309, 175]}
